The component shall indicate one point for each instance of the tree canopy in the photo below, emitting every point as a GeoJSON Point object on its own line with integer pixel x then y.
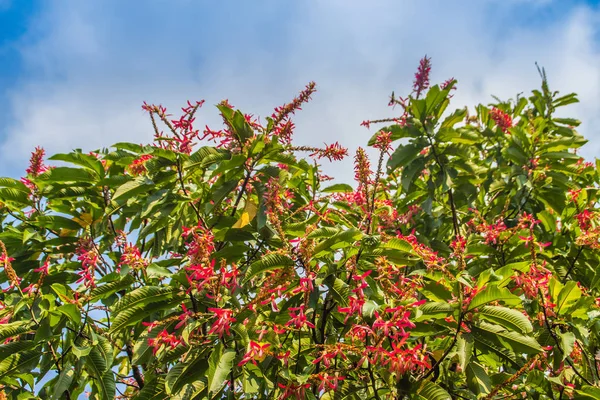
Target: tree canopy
{"type": "Point", "coordinates": [212, 264]}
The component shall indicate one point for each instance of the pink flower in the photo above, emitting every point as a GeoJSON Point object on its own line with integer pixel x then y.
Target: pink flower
{"type": "Point", "coordinates": [223, 323]}
{"type": "Point", "coordinates": [298, 318]}
{"type": "Point", "coordinates": [502, 119]}
{"type": "Point", "coordinates": [421, 81]}
{"type": "Point", "coordinates": [257, 351]}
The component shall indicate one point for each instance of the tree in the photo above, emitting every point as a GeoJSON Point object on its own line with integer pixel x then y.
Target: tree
{"type": "Point", "coordinates": [463, 265]}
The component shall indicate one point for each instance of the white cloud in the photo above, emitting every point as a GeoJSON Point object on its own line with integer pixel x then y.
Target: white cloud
{"type": "Point", "coordinates": [92, 64]}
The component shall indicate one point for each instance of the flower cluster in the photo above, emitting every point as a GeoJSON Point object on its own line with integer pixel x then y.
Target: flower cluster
{"type": "Point", "coordinates": [502, 119]}
{"type": "Point", "coordinates": [133, 257]}
{"type": "Point", "coordinates": [183, 133]}
{"type": "Point", "coordinates": [421, 81]}
{"type": "Point", "coordinates": [138, 166]}
{"type": "Point", "coordinates": [88, 256]}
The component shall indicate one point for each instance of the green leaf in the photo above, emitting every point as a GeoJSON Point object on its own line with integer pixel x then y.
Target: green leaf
{"type": "Point", "coordinates": [131, 188]}
{"type": "Point", "coordinates": [267, 263]}
{"type": "Point", "coordinates": [220, 364]}
{"type": "Point", "coordinates": [431, 391]}
{"type": "Point", "coordinates": [515, 341]}
{"type": "Point", "coordinates": [493, 293]}
{"type": "Point", "coordinates": [72, 312]}
{"type": "Point", "coordinates": [507, 317]}
{"type": "Point", "coordinates": [184, 373]}
{"type": "Point", "coordinates": [153, 390]}
{"type": "Point", "coordinates": [100, 370]}
{"type": "Point", "coordinates": [143, 296]}
{"type": "Point", "coordinates": [477, 379]}
{"type": "Point", "coordinates": [568, 296]}
{"type": "Point", "coordinates": [433, 311]}
{"type": "Point", "coordinates": [16, 328]}
{"type": "Point", "coordinates": [338, 188]}
{"type": "Point", "coordinates": [67, 174]}
{"type": "Point", "coordinates": [399, 244]}
{"type": "Point", "coordinates": [339, 240]}
{"type": "Point", "coordinates": [63, 383]}
{"type": "Point", "coordinates": [18, 362]}
{"type": "Point", "coordinates": [454, 118]}
{"type": "Point", "coordinates": [464, 349]}
{"type": "Point", "coordinates": [567, 343]}
{"type": "Point", "coordinates": [403, 155]}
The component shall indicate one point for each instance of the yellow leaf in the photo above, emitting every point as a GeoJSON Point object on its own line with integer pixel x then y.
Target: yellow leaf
{"type": "Point", "coordinates": [247, 215]}
{"type": "Point", "coordinates": [84, 220]}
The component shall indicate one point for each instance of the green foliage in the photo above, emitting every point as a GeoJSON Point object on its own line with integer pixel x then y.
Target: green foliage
{"type": "Point", "coordinates": [464, 266]}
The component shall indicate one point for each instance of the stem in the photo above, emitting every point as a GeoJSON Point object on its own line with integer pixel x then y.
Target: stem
{"type": "Point", "coordinates": [553, 334]}
{"type": "Point", "coordinates": [137, 375]}
{"type": "Point", "coordinates": [573, 264]}
{"type": "Point", "coordinates": [454, 340]}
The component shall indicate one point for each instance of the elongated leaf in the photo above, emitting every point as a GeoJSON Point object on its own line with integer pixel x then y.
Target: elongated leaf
{"type": "Point", "coordinates": [493, 293]}
{"type": "Point", "coordinates": [431, 391]}
{"type": "Point", "coordinates": [185, 373]}
{"type": "Point", "coordinates": [267, 263]}
{"type": "Point", "coordinates": [567, 343]}
{"type": "Point", "coordinates": [507, 317]}
{"type": "Point", "coordinates": [434, 310]}
{"type": "Point", "coordinates": [153, 390]}
{"type": "Point", "coordinates": [14, 328]}
{"type": "Point", "coordinates": [62, 383]}
{"type": "Point", "coordinates": [403, 155]}
{"type": "Point", "coordinates": [568, 296]}
{"type": "Point", "coordinates": [477, 379]}
{"type": "Point", "coordinates": [18, 362]}
{"type": "Point", "coordinates": [142, 296]}
{"type": "Point", "coordinates": [515, 341]}
{"type": "Point", "coordinates": [338, 240]}
{"type": "Point", "coordinates": [220, 364]}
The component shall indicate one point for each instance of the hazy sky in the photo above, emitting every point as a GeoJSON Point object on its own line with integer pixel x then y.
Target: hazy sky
{"type": "Point", "coordinates": [73, 74]}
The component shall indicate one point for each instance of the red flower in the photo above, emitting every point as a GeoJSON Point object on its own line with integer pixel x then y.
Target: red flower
{"type": "Point", "coordinates": [298, 318]}
{"type": "Point", "coordinates": [257, 351]}
{"type": "Point", "coordinates": [163, 339]}
{"type": "Point", "coordinates": [223, 323]}
{"type": "Point", "coordinates": [502, 119]}
{"type": "Point", "coordinates": [421, 81]}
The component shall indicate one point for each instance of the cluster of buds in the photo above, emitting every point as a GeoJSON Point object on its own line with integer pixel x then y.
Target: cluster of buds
{"type": "Point", "coordinates": [163, 340]}
{"type": "Point", "coordinates": [430, 258]}
{"type": "Point", "coordinates": [333, 152]}
{"type": "Point", "coordinates": [501, 119]}
{"type": "Point", "coordinates": [133, 257]}
{"type": "Point", "coordinates": [88, 255]}
{"type": "Point", "coordinates": [491, 232]}
{"type": "Point", "coordinates": [5, 262]}
{"type": "Point", "coordinates": [282, 125]}
{"type": "Point", "coordinates": [421, 81]}
{"type": "Point", "coordinates": [183, 133]}
{"type": "Point", "coordinates": [36, 168]}
{"type": "Point", "coordinates": [138, 166]}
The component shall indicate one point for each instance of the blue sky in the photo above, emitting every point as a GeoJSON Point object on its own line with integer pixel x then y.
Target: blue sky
{"type": "Point", "coordinates": [73, 74]}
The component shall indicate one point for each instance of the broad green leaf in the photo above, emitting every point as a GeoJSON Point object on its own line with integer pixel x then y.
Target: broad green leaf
{"type": "Point", "coordinates": [493, 293]}
{"type": "Point", "coordinates": [431, 391]}
{"type": "Point", "coordinates": [509, 318]}
{"type": "Point", "coordinates": [63, 382]}
{"type": "Point", "coordinates": [220, 364]}
{"type": "Point", "coordinates": [568, 296]}
{"type": "Point", "coordinates": [433, 311]}
{"type": "Point", "coordinates": [477, 379]}
{"type": "Point", "coordinates": [567, 343]}
{"type": "Point", "coordinates": [517, 342]}
{"type": "Point", "coordinates": [403, 155]}
{"type": "Point", "coordinates": [18, 362]}
{"type": "Point", "coordinates": [267, 263]}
